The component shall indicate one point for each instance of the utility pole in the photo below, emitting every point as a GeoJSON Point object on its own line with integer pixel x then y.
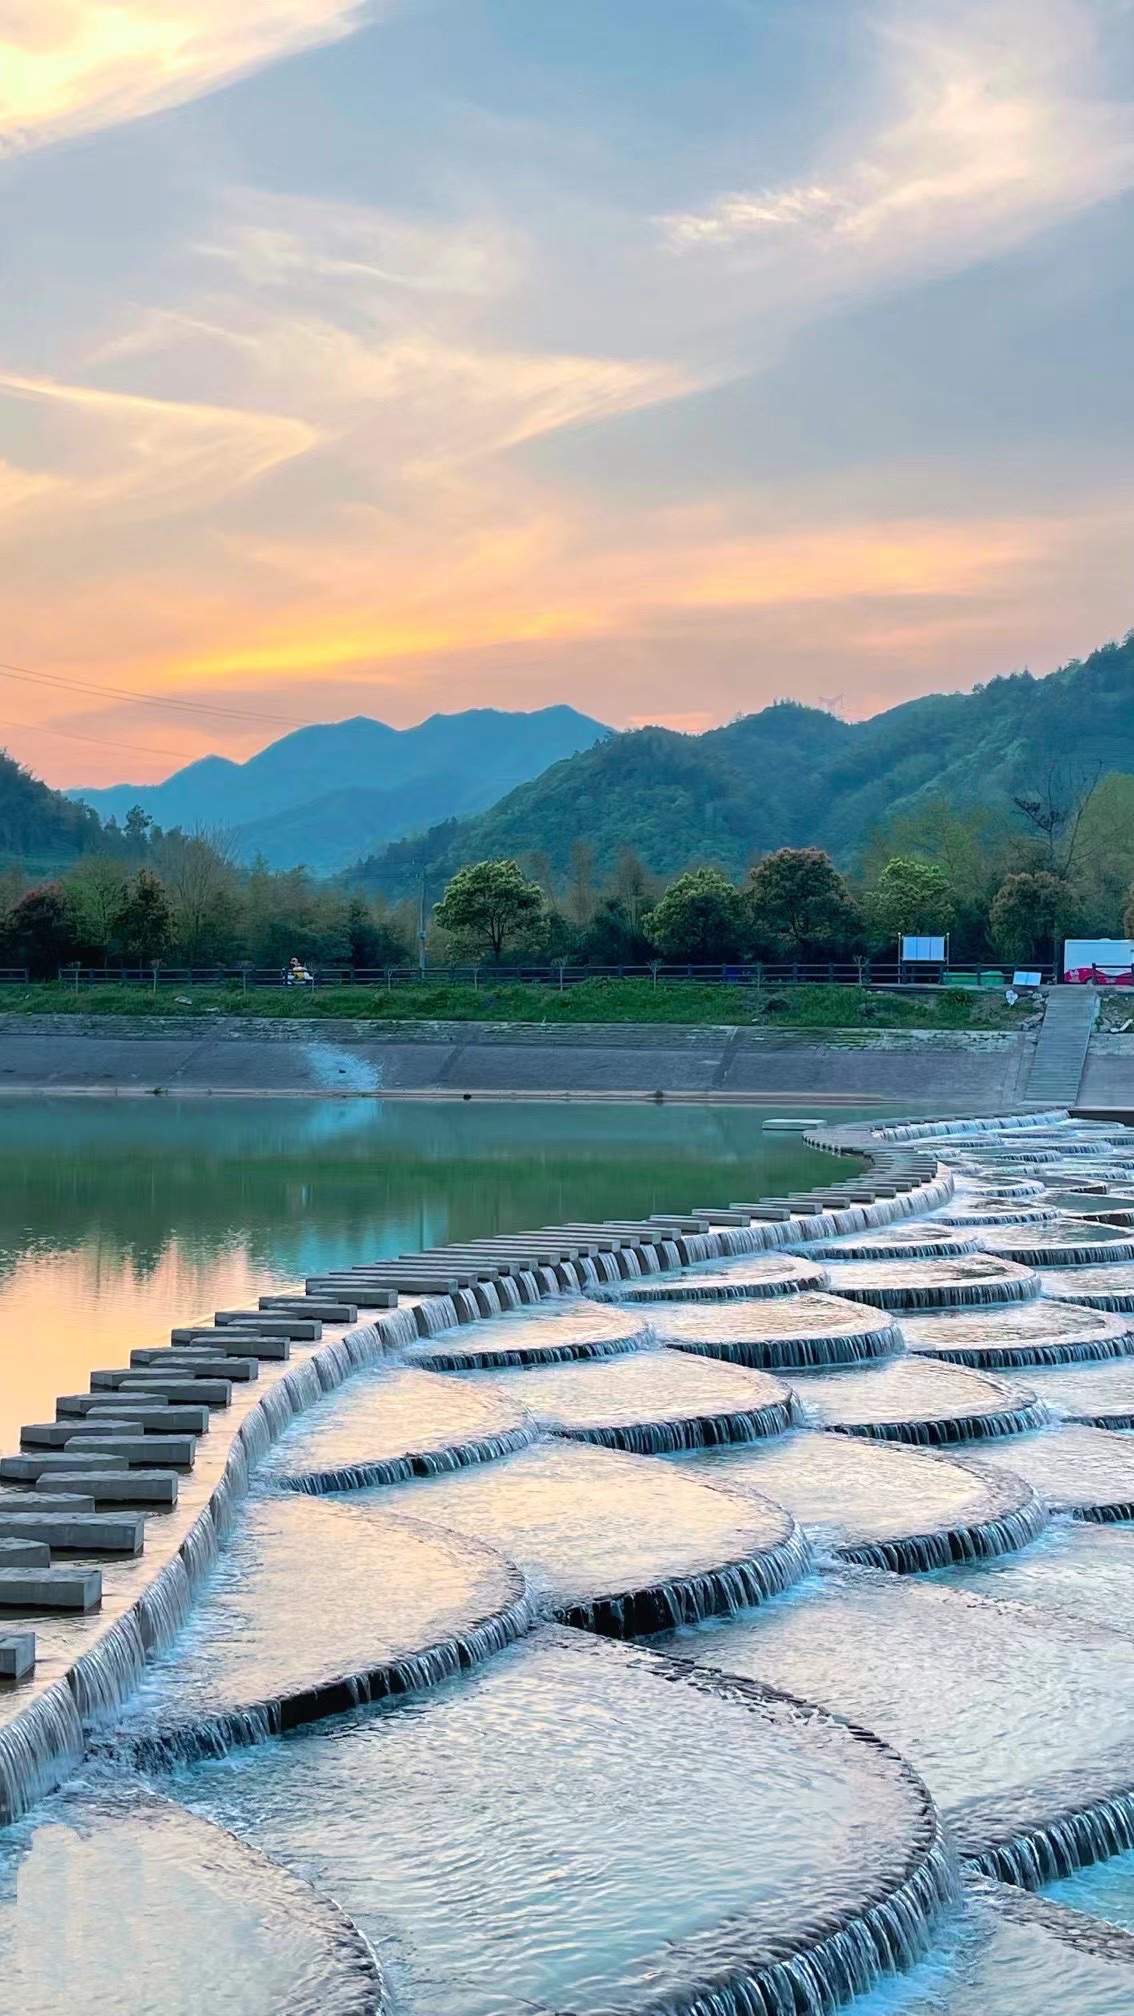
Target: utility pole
{"type": "Point", "coordinates": [421, 928]}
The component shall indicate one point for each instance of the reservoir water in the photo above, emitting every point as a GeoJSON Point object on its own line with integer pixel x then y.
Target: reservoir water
{"type": "Point", "coordinates": [120, 1217]}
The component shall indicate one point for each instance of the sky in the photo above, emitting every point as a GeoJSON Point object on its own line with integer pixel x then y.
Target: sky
{"type": "Point", "coordinates": [664, 357]}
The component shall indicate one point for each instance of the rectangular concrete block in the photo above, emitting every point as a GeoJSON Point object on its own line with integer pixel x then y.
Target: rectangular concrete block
{"type": "Point", "coordinates": [18, 1552]}
{"type": "Point", "coordinates": [206, 1364]}
{"type": "Point", "coordinates": [233, 1343]}
{"type": "Point", "coordinates": [126, 1487]}
{"type": "Point", "coordinates": [44, 1501]}
{"type": "Point", "coordinates": [53, 1434]}
{"type": "Point", "coordinates": [27, 1469]}
{"type": "Point", "coordinates": [50, 1588]}
{"type": "Point", "coordinates": [177, 1389]}
{"type": "Point", "coordinates": [301, 1329]}
{"type": "Point", "coordinates": [152, 1417]}
{"type": "Point", "coordinates": [179, 1451]}
{"type": "Point", "coordinates": [17, 1655]}
{"type": "Point", "coordinates": [375, 1298]}
{"type": "Point", "coordinates": [72, 1533]}
{"type": "Point", "coordinates": [322, 1311]}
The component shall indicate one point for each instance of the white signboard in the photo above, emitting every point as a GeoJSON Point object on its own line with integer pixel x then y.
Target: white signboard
{"type": "Point", "coordinates": [924, 951]}
{"type": "Point", "coordinates": [1109, 958]}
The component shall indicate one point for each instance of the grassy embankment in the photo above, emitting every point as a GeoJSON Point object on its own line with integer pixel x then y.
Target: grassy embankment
{"type": "Point", "coordinates": [802, 1007]}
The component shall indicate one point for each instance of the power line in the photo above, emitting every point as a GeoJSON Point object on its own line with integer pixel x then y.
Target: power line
{"type": "Point", "coordinates": [56, 679]}
{"type": "Point", "coordinates": [100, 741]}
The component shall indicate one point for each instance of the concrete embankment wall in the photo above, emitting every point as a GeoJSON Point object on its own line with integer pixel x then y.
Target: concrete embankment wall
{"type": "Point", "coordinates": [313, 1057]}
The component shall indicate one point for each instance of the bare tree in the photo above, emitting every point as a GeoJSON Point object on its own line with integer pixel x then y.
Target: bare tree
{"type": "Point", "coordinates": [1055, 811]}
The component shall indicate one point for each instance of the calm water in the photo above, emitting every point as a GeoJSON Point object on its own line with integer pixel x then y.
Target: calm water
{"type": "Point", "coordinates": [119, 1216]}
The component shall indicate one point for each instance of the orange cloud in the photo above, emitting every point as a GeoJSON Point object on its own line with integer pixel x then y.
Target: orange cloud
{"type": "Point", "coordinates": [67, 66]}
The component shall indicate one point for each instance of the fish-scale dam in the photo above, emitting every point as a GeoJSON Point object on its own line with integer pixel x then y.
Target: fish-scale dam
{"type": "Point", "coordinates": [702, 1609]}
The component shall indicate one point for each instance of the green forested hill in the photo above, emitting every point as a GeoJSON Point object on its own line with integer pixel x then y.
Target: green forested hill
{"type": "Point", "coordinates": [792, 775]}
{"type": "Point", "coordinates": [37, 825]}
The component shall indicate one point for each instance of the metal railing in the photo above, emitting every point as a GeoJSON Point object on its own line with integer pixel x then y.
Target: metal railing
{"type": "Point", "coordinates": [559, 975]}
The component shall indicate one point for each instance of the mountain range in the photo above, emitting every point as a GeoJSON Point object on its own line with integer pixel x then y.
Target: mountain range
{"type": "Point", "coordinates": [794, 775]}
{"type": "Point", "coordinates": [327, 794]}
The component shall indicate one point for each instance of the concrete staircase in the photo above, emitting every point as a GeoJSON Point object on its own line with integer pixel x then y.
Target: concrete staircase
{"type": "Point", "coordinates": [1061, 1052]}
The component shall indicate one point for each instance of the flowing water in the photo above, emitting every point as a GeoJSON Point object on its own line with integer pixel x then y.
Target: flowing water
{"type": "Point", "coordinates": [925, 1668]}
{"type": "Point", "coordinates": [1083, 1570]}
{"type": "Point", "coordinates": [1029, 1333]}
{"type": "Point", "coordinates": [530, 1818]}
{"type": "Point", "coordinates": [393, 1424]}
{"type": "Point", "coordinates": [916, 1400]}
{"type": "Point", "coordinates": [653, 1401]}
{"type": "Point", "coordinates": [128, 1903]}
{"type": "Point", "coordinates": [582, 1827]}
{"type": "Point", "coordinates": [315, 1605]}
{"type": "Point", "coordinates": [882, 1503]}
{"type": "Point", "coordinates": [614, 1541]}
{"type": "Point", "coordinates": [788, 1333]}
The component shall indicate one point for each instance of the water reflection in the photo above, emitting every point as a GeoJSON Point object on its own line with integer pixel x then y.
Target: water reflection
{"type": "Point", "coordinates": [118, 1217]}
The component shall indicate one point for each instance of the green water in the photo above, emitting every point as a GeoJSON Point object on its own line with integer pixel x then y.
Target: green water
{"type": "Point", "coordinates": [119, 1217]}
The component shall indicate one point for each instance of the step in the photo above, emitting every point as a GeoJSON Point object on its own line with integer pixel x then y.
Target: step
{"type": "Point", "coordinates": [19, 1550]}
{"type": "Point", "coordinates": [152, 1417]}
{"type": "Point", "coordinates": [57, 1434]}
{"type": "Point", "coordinates": [146, 1451]}
{"type": "Point", "coordinates": [71, 1502]}
{"type": "Point", "coordinates": [73, 1406]}
{"type": "Point", "coordinates": [50, 1588]}
{"type": "Point", "coordinates": [232, 1343]}
{"type": "Point", "coordinates": [17, 1655]}
{"type": "Point", "coordinates": [126, 1487]}
{"type": "Point", "coordinates": [68, 1533]}
{"type": "Point", "coordinates": [28, 1468]}
{"type": "Point", "coordinates": [176, 1389]}
{"type": "Point", "coordinates": [307, 1305]}
{"type": "Point", "coordinates": [378, 1298]}
{"type": "Point", "coordinates": [301, 1329]}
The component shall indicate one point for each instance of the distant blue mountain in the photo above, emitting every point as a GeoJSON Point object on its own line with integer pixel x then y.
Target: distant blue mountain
{"type": "Point", "coordinates": [326, 795]}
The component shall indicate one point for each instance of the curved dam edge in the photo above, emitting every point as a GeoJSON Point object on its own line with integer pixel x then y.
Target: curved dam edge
{"type": "Point", "coordinates": [47, 1734]}
{"type": "Point", "coordinates": [327, 1058]}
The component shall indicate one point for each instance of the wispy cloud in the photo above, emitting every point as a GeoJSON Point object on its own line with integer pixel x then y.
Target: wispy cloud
{"type": "Point", "coordinates": [1002, 127]}
{"type": "Point", "coordinates": [68, 66]}
{"type": "Point", "coordinates": [121, 454]}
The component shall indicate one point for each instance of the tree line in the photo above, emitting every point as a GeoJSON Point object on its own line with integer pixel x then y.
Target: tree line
{"type": "Point", "coordinates": [1007, 885]}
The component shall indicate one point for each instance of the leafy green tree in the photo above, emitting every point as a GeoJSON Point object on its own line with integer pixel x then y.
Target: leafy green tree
{"type": "Point", "coordinates": [203, 889]}
{"type": "Point", "coordinates": [96, 889]}
{"type": "Point", "coordinates": [489, 905]}
{"type": "Point", "coordinates": [911, 896]}
{"type": "Point", "coordinates": [799, 904]}
{"type": "Point", "coordinates": [374, 941]}
{"type": "Point", "coordinates": [1030, 913]}
{"type": "Point", "coordinates": [612, 938]}
{"type": "Point", "coordinates": [144, 924]}
{"type": "Point", "coordinates": [40, 931]}
{"type": "Point", "coordinates": [700, 919]}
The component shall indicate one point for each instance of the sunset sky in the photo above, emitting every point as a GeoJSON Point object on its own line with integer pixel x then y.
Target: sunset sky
{"type": "Point", "coordinates": [659, 356]}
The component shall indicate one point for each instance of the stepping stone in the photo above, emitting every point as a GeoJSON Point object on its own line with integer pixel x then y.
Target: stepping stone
{"type": "Point", "coordinates": [307, 1305]}
{"type": "Point", "coordinates": [179, 1451]}
{"type": "Point", "coordinates": [26, 1469]}
{"type": "Point", "coordinates": [73, 1532]}
{"type": "Point", "coordinates": [147, 1385]}
{"type": "Point", "coordinates": [57, 1434]}
{"type": "Point", "coordinates": [50, 1588]}
{"type": "Point", "coordinates": [17, 1655]}
{"type": "Point", "coordinates": [124, 1487]}
{"type": "Point", "coordinates": [21, 1553]}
